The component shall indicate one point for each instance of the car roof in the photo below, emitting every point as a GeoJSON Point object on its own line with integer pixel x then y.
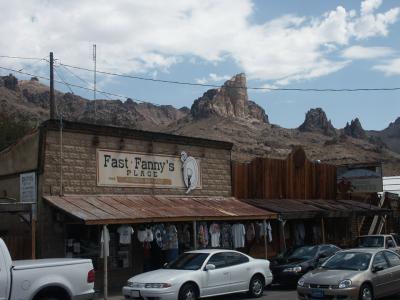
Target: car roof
{"type": "Point", "coordinates": [211, 251]}
{"type": "Point", "coordinates": [364, 250]}
{"type": "Point", "coordinates": [384, 235]}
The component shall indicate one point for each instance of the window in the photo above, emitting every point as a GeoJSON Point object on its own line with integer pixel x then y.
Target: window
{"type": "Point", "coordinates": [394, 259]}
{"type": "Point", "coordinates": [380, 261]}
{"type": "Point", "coordinates": [328, 250]}
{"type": "Point", "coordinates": [218, 260]}
{"type": "Point", "coordinates": [233, 258]}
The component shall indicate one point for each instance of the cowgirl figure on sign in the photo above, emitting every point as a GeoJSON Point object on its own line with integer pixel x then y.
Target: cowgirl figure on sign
{"type": "Point", "coordinates": [190, 171]}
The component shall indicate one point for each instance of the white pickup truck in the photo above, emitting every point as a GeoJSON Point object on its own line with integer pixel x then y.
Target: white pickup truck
{"type": "Point", "coordinates": [45, 279]}
{"type": "Point", "coordinates": [384, 241]}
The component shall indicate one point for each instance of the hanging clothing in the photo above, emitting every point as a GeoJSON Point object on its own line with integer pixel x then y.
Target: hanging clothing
{"type": "Point", "coordinates": [250, 232]}
{"type": "Point", "coordinates": [172, 233]}
{"type": "Point", "coordinates": [125, 234]}
{"type": "Point", "coordinates": [203, 235]}
{"type": "Point", "coordinates": [257, 231]}
{"type": "Point", "coordinates": [238, 235]}
{"type": "Point", "coordinates": [145, 235]}
{"type": "Point", "coordinates": [215, 233]}
{"type": "Point", "coordinates": [186, 236]}
{"type": "Point", "coordinates": [159, 235]}
{"type": "Point", "coordinates": [226, 236]}
{"type": "Point", "coordinates": [269, 230]}
{"type": "Point", "coordinates": [105, 242]}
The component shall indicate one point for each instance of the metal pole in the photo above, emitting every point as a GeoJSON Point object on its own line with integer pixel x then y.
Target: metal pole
{"type": "Point", "coordinates": [265, 230]}
{"type": "Point", "coordinates": [61, 156]}
{"type": "Point", "coordinates": [52, 102]}
{"type": "Point", "coordinates": [94, 80]}
{"type": "Point", "coordinates": [195, 235]}
{"type": "Point", "coordinates": [105, 256]}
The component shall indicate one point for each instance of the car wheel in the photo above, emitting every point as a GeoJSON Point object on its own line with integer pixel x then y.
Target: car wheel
{"type": "Point", "coordinates": [188, 292]}
{"type": "Point", "coordinates": [366, 292]}
{"type": "Point", "coordinates": [256, 287]}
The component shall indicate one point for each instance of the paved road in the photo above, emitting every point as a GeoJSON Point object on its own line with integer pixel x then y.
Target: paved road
{"type": "Point", "coordinates": [274, 293]}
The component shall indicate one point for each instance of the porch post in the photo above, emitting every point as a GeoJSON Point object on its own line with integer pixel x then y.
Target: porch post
{"type": "Point", "coordinates": [195, 235]}
{"type": "Point", "coordinates": [323, 229]}
{"type": "Point", "coordinates": [265, 238]}
{"type": "Point", "coordinates": [105, 262]}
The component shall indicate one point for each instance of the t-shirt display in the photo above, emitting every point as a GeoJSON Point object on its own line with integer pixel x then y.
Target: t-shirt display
{"type": "Point", "coordinates": [238, 235]}
{"type": "Point", "coordinates": [215, 233]}
{"type": "Point", "coordinates": [125, 234]}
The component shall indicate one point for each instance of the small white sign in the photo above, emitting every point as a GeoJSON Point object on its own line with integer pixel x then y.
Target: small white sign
{"type": "Point", "coordinates": [27, 185]}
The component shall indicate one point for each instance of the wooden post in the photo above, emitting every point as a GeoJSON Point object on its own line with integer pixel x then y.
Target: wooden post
{"type": "Point", "coordinates": [33, 238]}
{"type": "Point", "coordinates": [323, 229]}
{"type": "Point", "coordinates": [195, 235]}
{"type": "Point", "coordinates": [265, 238]}
{"type": "Point", "coordinates": [52, 101]}
{"type": "Point", "coordinates": [105, 262]}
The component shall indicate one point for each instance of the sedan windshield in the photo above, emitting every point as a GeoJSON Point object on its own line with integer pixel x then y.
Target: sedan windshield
{"type": "Point", "coordinates": [305, 252]}
{"type": "Point", "coordinates": [371, 241]}
{"type": "Point", "coordinates": [357, 261]}
{"type": "Point", "coordinates": [188, 261]}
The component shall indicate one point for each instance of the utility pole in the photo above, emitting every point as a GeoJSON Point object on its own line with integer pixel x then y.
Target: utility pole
{"type": "Point", "coordinates": [52, 101]}
{"type": "Point", "coordinates": [94, 81]}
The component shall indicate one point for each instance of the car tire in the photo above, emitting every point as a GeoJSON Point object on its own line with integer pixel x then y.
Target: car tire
{"type": "Point", "coordinates": [366, 292]}
{"type": "Point", "coordinates": [256, 286]}
{"type": "Point", "coordinates": [188, 292]}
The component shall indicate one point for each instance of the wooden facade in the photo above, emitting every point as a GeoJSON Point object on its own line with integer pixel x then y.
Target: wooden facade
{"type": "Point", "coordinates": [293, 178]}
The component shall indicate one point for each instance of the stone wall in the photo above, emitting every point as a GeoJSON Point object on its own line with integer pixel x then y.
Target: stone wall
{"type": "Point", "coordinates": [79, 165]}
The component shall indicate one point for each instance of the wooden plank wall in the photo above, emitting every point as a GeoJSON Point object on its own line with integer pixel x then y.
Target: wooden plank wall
{"type": "Point", "coordinates": [293, 178]}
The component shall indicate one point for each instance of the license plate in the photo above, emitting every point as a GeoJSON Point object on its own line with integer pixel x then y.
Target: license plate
{"type": "Point", "coordinates": [317, 293]}
{"type": "Point", "coordinates": [135, 294]}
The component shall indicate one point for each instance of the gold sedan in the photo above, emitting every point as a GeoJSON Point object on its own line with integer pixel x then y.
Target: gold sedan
{"type": "Point", "coordinates": [359, 274]}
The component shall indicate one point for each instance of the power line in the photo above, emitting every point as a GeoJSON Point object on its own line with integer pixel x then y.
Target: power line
{"type": "Point", "coordinates": [214, 85]}
{"type": "Point", "coordinates": [237, 87]}
{"type": "Point", "coordinates": [78, 86]}
{"type": "Point", "coordinates": [62, 79]}
{"type": "Point", "coordinates": [84, 81]}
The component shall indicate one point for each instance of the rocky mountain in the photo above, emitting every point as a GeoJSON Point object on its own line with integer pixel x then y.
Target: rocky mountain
{"type": "Point", "coordinates": [229, 101]}
{"type": "Point", "coordinates": [354, 129]}
{"type": "Point", "coordinates": [225, 113]}
{"type": "Point", "coordinates": [316, 121]}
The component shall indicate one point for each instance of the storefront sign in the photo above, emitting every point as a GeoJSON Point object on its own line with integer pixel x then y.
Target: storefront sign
{"type": "Point", "coordinates": [359, 179]}
{"type": "Point", "coordinates": [129, 169]}
{"type": "Point", "coordinates": [27, 185]}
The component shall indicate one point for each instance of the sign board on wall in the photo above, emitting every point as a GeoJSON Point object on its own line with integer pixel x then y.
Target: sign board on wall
{"type": "Point", "coordinates": [130, 169]}
{"type": "Point", "coordinates": [359, 179]}
{"type": "Point", "coordinates": [27, 186]}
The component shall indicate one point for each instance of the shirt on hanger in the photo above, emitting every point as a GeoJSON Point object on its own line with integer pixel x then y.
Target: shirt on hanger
{"type": "Point", "coordinates": [215, 233]}
{"type": "Point", "coordinates": [125, 234]}
{"type": "Point", "coordinates": [238, 235]}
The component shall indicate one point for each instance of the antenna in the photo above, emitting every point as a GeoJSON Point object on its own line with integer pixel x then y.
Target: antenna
{"type": "Point", "coordinates": [94, 80]}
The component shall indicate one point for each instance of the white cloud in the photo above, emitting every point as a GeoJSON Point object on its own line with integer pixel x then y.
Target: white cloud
{"type": "Point", "coordinates": [212, 78]}
{"type": "Point", "coordinates": [391, 67]}
{"type": "Point", "coordinates": [359, 52]}
{"type": "Point", "coordinates": [135, 36]}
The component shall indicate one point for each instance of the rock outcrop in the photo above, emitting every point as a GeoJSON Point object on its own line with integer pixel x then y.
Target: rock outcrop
{"type": "Point", "coordinates": [354, 129]}
{"type": "Point", "coordinates": [316, 121]}
{"type": "Point", "coordinates": [229, 101]}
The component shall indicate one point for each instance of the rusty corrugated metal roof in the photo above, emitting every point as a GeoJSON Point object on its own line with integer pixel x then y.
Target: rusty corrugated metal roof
{"type": "Point", "coordinates": [125, 209]}
{"type": "Point", "coordinates": [310, 208]}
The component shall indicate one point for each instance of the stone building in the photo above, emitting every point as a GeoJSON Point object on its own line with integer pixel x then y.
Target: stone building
{"type": "Point", "coordinates": [88, 176]}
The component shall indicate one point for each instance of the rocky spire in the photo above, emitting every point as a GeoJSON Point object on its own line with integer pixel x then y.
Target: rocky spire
{"type": "Point", "coordinates": [231, 100]}
{"type": "Point", "coordinates": [316, 121]}
{"type": "Point", "coordinates": [354, 129]}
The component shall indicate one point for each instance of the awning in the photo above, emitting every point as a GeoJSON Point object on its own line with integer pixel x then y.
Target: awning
{"type": "Point", "coordinates": [304, 209]}
{"type": "Point", "coordinates": [126, 209]}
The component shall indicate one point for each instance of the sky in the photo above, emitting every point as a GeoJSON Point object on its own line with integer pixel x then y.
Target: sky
{"type": "Point", "coordinates": [277, 44]}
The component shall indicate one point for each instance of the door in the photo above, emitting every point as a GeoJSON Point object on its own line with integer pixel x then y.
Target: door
{"type": "Point", "coordinates": [4, 276]}
{"type": "Point", "coordinates": [216, 281]}
{"type": "Point", "coordinates": [381, 280]}
{"type": "Point", "coordinates": [240, 271]}
{"type": "Point", "coordinates": [394, 264]}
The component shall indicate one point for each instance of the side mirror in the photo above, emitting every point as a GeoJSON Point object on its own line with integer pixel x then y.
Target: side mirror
{"type": "Point", "coordinates": [165, 265]}
{"type": "Point", "coordinates": [210, 267]}
{"type": "Point", "coordinates": [322, 256]}
{"type": "Point", "coordinates": [390, 244]}
{"type": "Point", "coordinates": [377, 269]}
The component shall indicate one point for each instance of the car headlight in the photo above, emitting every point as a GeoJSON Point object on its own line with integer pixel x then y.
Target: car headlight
{"type": "Point", "coordinates": [136, 285]}
{"type": "Point", "coordinates": [295, 269]}
{"type": "Point", "coordinates": [301, 282]}
{"type": "Point", "coordinates": [345, 284]}
{"type": "Point", "coordinates": [157, 285]}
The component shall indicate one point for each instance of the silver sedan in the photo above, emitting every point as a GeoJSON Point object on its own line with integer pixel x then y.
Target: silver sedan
{"type": "Point", "coordinates": [363, 274]}
{"type": "Point", "coordinates": [202, 273]}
